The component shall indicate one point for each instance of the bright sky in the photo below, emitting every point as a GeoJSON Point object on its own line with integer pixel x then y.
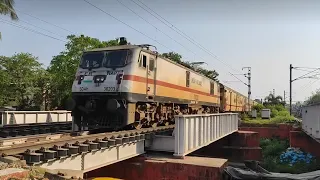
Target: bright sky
{"type": "Point", "coordinates": [265, 35]}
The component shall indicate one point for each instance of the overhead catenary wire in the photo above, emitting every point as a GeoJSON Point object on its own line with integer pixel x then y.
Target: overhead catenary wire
{"type": "Point", "coordinates": [184, 35]}
{"type": "Point", "coordinates": [155, 27]}
{"type": "Point", "coordinates": [164, 21]}
{"type": "Point", "coordinates": [30, 15]}
{"type": "Point", "coordinates": [30, 30]}
{"type": "Point", "coordinates": [42, 28]}
{"type": "Point", "coordinates": [127, 24]}
{"type": "Point", "coordinates": [170, 25]}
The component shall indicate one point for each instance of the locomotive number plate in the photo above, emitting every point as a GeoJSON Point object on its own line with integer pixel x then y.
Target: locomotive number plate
{"type": "Point", "coordinates": [88, 79]}
{"type": "Point", "coordinates": [110, 89]}
{"type": "Point", "coordinates": [113, 72]}
{"type": "Point", "coordinates": [83, 88]}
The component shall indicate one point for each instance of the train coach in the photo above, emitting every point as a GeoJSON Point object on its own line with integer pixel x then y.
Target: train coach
{"type": "Point", "coordinates": [132, 86]}
{"type": "Point", "coordinates": [233, 101]}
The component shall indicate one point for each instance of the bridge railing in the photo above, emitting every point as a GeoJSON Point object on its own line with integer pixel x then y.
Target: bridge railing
{"type": "Point", "coordinates": [311, 120]}
{"type": "Point", "coordinates": [32, 117]}
{"type": "Point", "coordinates": [196, 131]}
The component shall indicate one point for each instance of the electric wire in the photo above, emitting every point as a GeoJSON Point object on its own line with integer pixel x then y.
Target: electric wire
{"type": "Point", "coordinates": [30, 30]}
{"type": "Point", "coordinates": [30, 15]}
{"type": "Point", "coordinates": [127, 24]}
{"type": "Point", "coordinates": [182, 33]}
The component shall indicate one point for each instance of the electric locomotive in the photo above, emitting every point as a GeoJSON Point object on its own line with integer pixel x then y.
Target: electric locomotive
{"type": "Point", "coordinates": [132, 86]}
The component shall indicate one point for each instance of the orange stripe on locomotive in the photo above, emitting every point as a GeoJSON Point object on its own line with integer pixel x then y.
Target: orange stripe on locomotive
{"type": "Point", "coordinates": [169, 79]}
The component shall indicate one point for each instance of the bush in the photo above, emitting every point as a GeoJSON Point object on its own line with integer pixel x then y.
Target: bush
{"type": "Point", "coordinates": [283, 113]}
{"type": "Point", "coordinates": [280, 107]}
{"type": "Point", "coordinates": [273, 147]}
{"type": "Point", "coordinates": [244, 116]}
{"type": "Point", "coordinates": [283, 119]}
{"type": "Point", "coordinates": [275, 159]}
{"type": "Point", "coordinates": [258, 107]}
{"type": "Point", "coordinates": [274, 113]}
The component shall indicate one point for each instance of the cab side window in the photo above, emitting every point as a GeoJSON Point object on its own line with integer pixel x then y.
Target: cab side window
{"type": "Point", "coordinates": [151, 64]}
{"type": "Point", "coordinates": [211, 88]}
{"type": "Point", "coordinates": [187, 78]}
{"type": "Point", "coordinates": [144, 61]}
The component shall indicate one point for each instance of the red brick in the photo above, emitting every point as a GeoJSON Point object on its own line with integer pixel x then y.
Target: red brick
{"type": "Point", "coordinates": [281, 131]}
{"type": "Point", "coordinates": [164, 168]}
{"type": "Point", "coordinates": [299, 139]}
{"type": "Point", "coordinates": [242, 153]}
{"type": "Point", "coordinates": [244, 139]}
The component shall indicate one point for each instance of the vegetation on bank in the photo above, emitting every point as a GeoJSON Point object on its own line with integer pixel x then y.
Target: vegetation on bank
{"type": "Point", "coordinates": [278, 158]}
{"type": "Point", "coordinates": [279, 114]}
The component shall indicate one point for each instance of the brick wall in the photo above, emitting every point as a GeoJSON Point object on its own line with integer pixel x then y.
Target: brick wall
{"type": "Point", "coordinates": [281, 131]}
{"type": "Point", "coordinates": [147, 169]}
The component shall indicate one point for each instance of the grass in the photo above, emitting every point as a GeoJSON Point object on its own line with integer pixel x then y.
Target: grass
{"type": "Point", "coordinates": [271, 151]}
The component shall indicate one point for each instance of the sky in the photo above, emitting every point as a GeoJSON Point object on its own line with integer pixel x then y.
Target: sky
{"type": "Point", "coordinates": [266, 35]}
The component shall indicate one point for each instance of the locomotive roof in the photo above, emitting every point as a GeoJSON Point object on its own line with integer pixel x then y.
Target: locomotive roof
{"type": "Point", "coordinates": [114, 48]}
{"type": "Point", "coordinates": [232, 89]}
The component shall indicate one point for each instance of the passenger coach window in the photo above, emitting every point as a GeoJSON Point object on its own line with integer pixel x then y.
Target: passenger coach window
{"type": "Point", "coordinates": [151, 64]}
{"type": "Point", "coordinates": [211, 88]}
{"type": "Point", "coordinates": [187, 78]}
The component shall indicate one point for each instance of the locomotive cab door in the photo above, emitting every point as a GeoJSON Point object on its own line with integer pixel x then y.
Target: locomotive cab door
{"type": "Point", "coordinates": [149, 61]}
{"type": "Point", "coordinates": [151, 76]}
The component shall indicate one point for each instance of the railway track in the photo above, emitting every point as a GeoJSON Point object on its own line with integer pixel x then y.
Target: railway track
{"type": "Point", "coordinates": [48, 147]}
{"type": "Point", "coordinates": [33, 129]}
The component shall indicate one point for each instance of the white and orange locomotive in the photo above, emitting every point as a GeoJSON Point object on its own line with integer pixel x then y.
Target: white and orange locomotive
{"type": "Point", "coordinates": [132, 86]}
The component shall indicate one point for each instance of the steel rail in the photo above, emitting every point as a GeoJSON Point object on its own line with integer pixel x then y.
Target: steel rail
{"type": "Point", "coordinates": [68, 139]}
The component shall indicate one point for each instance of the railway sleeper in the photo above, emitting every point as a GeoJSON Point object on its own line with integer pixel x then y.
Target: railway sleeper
{"type": "Point", "coordinates": [25, 132]}
{"type": "Point", "coordinates": [4, 133]}
{"type": "Point", "coordinates": [103, 143]}
{"type": "Point", "coordinates": [57, 152]}
{"type": "Point", "coordinates": [14, 133]}
{"type": "Point", "coordinates": [32, 158]}
{"type": "Point", "coordinates": [44, 130]}
{"type": "Point", "coordinates": [47, 154]}
{"type": "Point", "coordinates": [93, 146]}
{"type": "Point", "coordinates": [83, 148]}
{"type": "Point", "coordinates": [60, 152]}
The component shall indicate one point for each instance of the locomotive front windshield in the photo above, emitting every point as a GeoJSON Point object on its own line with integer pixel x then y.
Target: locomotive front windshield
{"type": "Point", "coordinates": [117, 58]}
{"type": "Point", "coordinates": [91, 60]}
{"type": "Point", "coordinates": [114, 58]}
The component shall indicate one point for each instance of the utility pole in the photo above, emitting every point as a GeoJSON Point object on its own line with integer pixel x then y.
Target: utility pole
{"type": "Point", "coordinates": [284, 96]}
{"type": "Point", "coordinates": [290, 98]}
{"type": "Point", "coordinates": [298, 78]}
{"type": "Point", "coordinates": [248, 75]}
{"type": "Point", "coordinates": [274, 92]}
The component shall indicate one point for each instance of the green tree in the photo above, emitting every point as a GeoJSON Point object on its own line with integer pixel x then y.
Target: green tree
{"type": "Point", "coordinates": [258, 107]}
{"type": "Point", "coordinates": [212, 74]}
{"type": "Point", "coordinates": [6, 8]}
{"type": "Point", "coordinates": [173, 56]}
{"type": "Point", "coordinates": [273, 100]}
{"type": "Point", "coordinates": [4, 83]}
{"type": "Point", "coordinates": [63, 66]}
{"type": "Point", "coordinates": [314, 98]}
{"type": "Point", "coordinates": [20, 72]}
{"type": "Point", "coordinates": [42, 89]}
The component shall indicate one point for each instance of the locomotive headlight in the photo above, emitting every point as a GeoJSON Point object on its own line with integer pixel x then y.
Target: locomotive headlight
{"type": "Point", "coordinates": [99, 78]}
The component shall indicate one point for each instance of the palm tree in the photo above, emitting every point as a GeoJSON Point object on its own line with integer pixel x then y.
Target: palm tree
{"type": "Point", "coordinates": [273, 100]}
{"type": "Point", "coordinates": [6, 8]}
